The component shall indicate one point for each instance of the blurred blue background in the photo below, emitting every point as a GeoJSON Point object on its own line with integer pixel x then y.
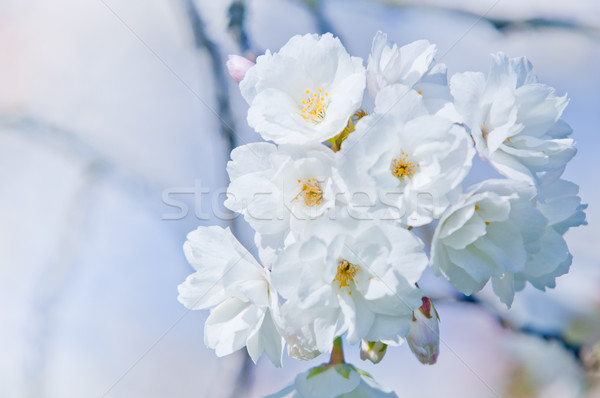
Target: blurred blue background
{"type": "Point", "coordinates": [110, 123]}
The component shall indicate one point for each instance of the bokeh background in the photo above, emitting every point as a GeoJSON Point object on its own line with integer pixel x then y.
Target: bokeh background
{"type": "Point", "coordinates": [112, 148]}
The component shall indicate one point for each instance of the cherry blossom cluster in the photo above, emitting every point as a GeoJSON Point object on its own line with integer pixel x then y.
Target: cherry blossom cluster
{"type": "Point", "coordinates": [344, 184]}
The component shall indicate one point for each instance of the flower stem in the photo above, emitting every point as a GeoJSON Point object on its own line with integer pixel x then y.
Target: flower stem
{"type": "Point", "coordinates": [337, 353]}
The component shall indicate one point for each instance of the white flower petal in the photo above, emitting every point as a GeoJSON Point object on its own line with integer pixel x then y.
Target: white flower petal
{"type": "Point", "coordinates": [237, 290]}
{"type": "Point", "coordinates": [345, 274]}
{"type": "Point", "coordinates": [411, 66]}
{"type": "Point", "coordinates": [513, 119]}
{"type": "Point", "coordinates": [504, 287]}
{"type": "Point", "coordinates": [307, 67]}
{"type": "Point", "coordinates": [496, 231]}
{"type": "Point", "coordinates": [415, 161]}
{"type": "Point", "coordinates": [230, 324]}
{"type": "Point", "coordinates": [295, 185]}
{"type": "Point", "coordinates": [326, 384]}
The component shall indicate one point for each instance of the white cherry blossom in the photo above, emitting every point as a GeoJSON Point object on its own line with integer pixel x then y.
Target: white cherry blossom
{"type": "Point", "coordinates": [495, 232]}
{"type": "Point", "coordinates": [351, 277]}
{"type": "Point", "coordinates": [411, 65]}
{"type": "Point", "coordinates": [514, 120]}
{"type": "Point", "coordinates": [339, 380]}
{"type": "Point", "coordinates": [334, 196]}
{"type": "Point", "coordinates": [237, 290]}
{"type": "Point", "coordinates": [409, 162]}
{"type": "Point", "coordinates": [306, 92]}
{"type": "Point", "coordinates": [279, 189]}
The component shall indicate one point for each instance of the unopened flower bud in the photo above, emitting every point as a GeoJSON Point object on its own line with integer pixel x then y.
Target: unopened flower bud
{"type": "Point", "coordinates": [238, 66]}
{"type": "Point", "coordinates": [374, 351]}
{"type": "Point", "coordinates": [590, 357]}
{"type": "Point", "coordinates": [424, 335]}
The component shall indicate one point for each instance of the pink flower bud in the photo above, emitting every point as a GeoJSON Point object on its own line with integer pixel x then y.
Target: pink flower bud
{"type": "Point", "coordinates": [424, 335]}
{"type": "Point", "coordinates": [238, 66]}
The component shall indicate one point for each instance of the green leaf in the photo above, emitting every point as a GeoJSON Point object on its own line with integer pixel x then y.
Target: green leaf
{"type": "Point", "coordinates": [344, 370]}
{"type": "Point", "coordinates": [315, 371]}
{"type": "Point", "coordinates": [362, 372]}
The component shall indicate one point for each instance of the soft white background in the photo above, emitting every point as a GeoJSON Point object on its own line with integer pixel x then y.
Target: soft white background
{"type": "Point", "coordinates": [104, 106]}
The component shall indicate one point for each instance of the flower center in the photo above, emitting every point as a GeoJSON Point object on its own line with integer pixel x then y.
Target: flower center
{"type": "Point", "coordinates": [314, 106]}
{"type": "Point", "coordinates": [402, 167]}
{"type": "Point", "coordinates": [345, 272]}
{"type": "Point", "coordinates": [311, 192]}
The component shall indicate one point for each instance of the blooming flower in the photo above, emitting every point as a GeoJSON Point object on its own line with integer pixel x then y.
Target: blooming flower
{"type": "Point", "coordinates": [322, 195]}
{"type": "Point", "coordinates": [236, 289]}
{"type": "Point", "coordinates": [340, 380]}
{"type": "Point", "coordinates": [495, 231]}
{"type": "Point", "coordinates": [351, 276]}
{"type": "Point", "coordinates": [412, 161]}
{"type": "Point", "coordinates": [280, 189]}
{"type": "Point", "coordinates": [514, 120]}
{"type": "Point", "coordinates": [306, 92]}
{"type": "Point", "coordinates": [424, 336]}
{"type": "Point", "coordinates": [411, 65]}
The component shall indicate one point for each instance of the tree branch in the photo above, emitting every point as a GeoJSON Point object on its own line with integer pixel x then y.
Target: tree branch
{"type": "Point", "coordinates": [202, 42]}
{"type": "Point", "coordinates": [323, 24]}
{"type": "Point", "coordinates": [574, 349]}
{"type": "Point", "coordinates": [237, 18]}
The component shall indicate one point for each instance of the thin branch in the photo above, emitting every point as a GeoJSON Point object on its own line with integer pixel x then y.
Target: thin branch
{"type": "Point", "coordinates": [574, 349]}
{"type": "Point", "coordinates": [323, 24]}
{"type": "Point", "coordinates": [60, 270]}
{"type": "Point", "coordinates": [71, 143]}
{"type": "Point", "coordinates": [502, 24]}
{"type": "Point", "coordinates": [237, 18]}
{"type": "Point", "coordinates": [202, 42]}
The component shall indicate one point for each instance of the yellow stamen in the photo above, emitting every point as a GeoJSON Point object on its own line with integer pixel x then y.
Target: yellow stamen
{"type": "Point", "coordinates": [345, 273]}
{"type": "Point", "coordinates": [476, 207]}
{"type": "Point", "coordinates": [311, 192]}
{"type": "Point", "coordinates": [487, 223]}
{"type": "Point", "coordinates": [314, 107]}
{"type": "Point", "coordinates": [420, 92]}
{"type": "Point", "coordinates": [401, 167]}
{"type": "Point", "coordinates": [508, 139]}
